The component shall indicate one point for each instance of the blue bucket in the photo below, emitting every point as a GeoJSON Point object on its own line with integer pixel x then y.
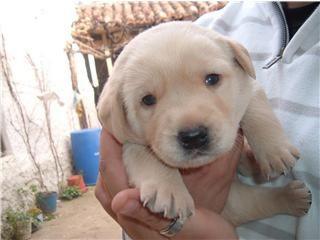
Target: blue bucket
{"type": "Point", "coordinates": [85, 150]}
{"type": "Point", "coordinates": [47, 201]}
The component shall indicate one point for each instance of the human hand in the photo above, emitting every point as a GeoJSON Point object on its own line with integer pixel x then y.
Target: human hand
{"type": "Point", "coordinates": [123, 204]}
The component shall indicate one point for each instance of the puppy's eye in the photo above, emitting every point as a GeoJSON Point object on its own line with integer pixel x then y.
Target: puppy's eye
{"type": "Point", "coordinates": [212, 79]}
{"type": "Point", "coordinates": [149, 100]}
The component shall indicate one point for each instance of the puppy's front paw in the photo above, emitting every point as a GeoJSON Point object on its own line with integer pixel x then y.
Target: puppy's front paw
{"type": "Point", "coordinates": [277, 159]}
{"type": "Point", "coordinates": [298, 198]}
{"type": "Point", "coordinates": [173, 200]}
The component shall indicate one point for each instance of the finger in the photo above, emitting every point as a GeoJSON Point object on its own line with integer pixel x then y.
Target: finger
{"type": "Point", "coordinates": [127, 203]}
{"type": "Point", "coordinates": [104, 197]}
{"type": "Point", "coordinates": [205, 224]}
{"type": "Point", "coordinates": [111, 166]}
{"type": "Point", "coordinates": [137, 230]}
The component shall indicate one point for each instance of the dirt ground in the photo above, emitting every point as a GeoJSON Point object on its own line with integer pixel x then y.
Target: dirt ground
{"type": "Point", "coordinates": [81, 218]}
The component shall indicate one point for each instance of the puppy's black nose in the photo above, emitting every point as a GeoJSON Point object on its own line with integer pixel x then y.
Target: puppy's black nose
{"type": "Point", "coordinates": [193, 138]}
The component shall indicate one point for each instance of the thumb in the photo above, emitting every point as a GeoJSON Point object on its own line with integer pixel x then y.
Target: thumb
{"type": "Point", "coordinates": [127, 203]}
{"type": "Point", "coordinates": [203, 225]}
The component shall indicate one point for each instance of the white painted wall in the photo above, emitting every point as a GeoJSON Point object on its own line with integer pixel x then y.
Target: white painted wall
{"type": "Point", "coordinates": [41, 29]}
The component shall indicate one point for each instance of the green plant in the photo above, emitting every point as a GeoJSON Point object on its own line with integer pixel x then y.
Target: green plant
{"type": "Point", "coordinates": [39, 197]}
{"type": "Point", "coordinates": [15, 219]}
{"type": "Point", "coordinates": [7, 231]}
{"type": "Point", "coordinates": [70, 193]}
{"type": "Point", "coordinates": [14, 216]}
{"type": "Point", "coordinates": [33, 188]}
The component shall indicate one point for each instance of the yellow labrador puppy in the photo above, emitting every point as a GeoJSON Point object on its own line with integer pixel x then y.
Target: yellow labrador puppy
{"type": "Point", "coordinates": [175, 99]}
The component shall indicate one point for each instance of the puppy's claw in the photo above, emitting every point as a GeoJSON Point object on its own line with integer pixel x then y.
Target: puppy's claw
{"type": "Point", "coordinates": [277, 158]}
{"type": "Point", "coordinates": [170, 200]}
{"type": "Point", "coordinates": [295, 152]}
{"type": "Point", "coordinates": [165, 213]}
{"type": "Point", "coordinates": [145, 202]}
{"type": "Point", "coordinates": [298, 198]}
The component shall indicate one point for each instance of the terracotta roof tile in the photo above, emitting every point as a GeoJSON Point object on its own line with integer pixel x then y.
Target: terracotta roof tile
{"type": "Point", "coordinates": [102, 25]}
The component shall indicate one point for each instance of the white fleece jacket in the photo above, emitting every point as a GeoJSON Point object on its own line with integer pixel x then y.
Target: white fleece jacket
{"type": "Point", "coordinates": [292, 86]}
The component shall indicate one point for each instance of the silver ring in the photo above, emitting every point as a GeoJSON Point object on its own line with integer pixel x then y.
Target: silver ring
{"type": "Point", "coordinates": [173, 228]}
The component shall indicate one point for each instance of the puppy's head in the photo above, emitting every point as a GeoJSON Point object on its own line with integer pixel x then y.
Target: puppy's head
{"type": "Point", "coordinates": [180, 89]}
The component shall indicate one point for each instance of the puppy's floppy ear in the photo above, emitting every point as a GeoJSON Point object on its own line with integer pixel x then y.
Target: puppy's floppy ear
{"type": "Point", "coordinates": [111, 111]}
{"type": "Point", "coordinates": [242, 57]}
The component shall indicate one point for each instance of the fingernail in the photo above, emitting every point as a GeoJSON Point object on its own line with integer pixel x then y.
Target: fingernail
{"type": "Point", "coordinates": [129, 207]}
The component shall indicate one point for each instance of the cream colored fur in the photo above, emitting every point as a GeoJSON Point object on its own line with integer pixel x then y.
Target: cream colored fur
{"type": "Point", "coordinates": [171, 61]}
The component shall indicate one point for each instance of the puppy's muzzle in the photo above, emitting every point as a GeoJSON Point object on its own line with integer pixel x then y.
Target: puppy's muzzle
{"type": "Point", "coordinates": [193, 138]}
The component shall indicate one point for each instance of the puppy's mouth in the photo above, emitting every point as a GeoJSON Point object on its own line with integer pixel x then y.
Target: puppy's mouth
{"type": "Point", "coordinates": [185, 156]}
{"type": "Point", "coordinates": [197, 153]}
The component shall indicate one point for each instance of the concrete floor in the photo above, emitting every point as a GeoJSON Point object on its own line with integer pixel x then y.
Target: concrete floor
{"type": "Point", "coordinates": [81, 218]}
